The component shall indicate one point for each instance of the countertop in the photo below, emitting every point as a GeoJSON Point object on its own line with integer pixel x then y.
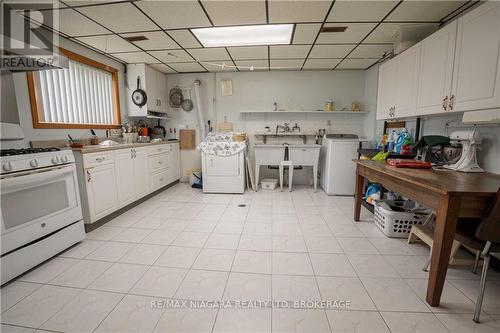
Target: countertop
{"type": "Point", "coordinates": [298, 145]}
{"type": "Point", "coordinates": [98, 148]}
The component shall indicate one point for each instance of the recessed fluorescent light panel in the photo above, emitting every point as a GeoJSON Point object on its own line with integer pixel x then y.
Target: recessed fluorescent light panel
{"type": "Point", "coordinates": [269, 34]}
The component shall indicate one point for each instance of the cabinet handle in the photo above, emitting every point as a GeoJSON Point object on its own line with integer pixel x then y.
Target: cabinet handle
{"type": "Point", "coordinates": [99, 159]}
{"type": "Point", "coordinates": [451, 104]}
{"type": "Point", "coordinates": [445, 103]}
{"type": "Point", "coordinates": [89, 176]}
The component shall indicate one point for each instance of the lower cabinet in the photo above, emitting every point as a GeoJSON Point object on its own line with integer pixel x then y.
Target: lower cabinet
{"type": "Point", "coordinates": [114, 179]}
{"type": "Point", "coordinates": [100, 183]}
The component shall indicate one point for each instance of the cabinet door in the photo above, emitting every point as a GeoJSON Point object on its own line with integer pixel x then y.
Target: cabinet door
{"type": "Point", "coordinates": [436, 70]}
{"type": "Point", "coordinates": [152, 91]}
{"type": "Point", "coordinates": [175, 162]}
{"type": "Point", "coordinates": [476, 79]}
{"type": "Point", "coordinates": [134, 71]}
{"type": "Point", "coordinates": [161, 80]}
{"type": "Point", "coordinates": [124, 166]}
{"type": "Point", "coordinates": [407, 66]}
{"type": "Point", "coordinates": [141, 173]}
{"type": "Point", "coordinates": [386, 86]}
{"type": "Point", "coordinates": [101, 191]}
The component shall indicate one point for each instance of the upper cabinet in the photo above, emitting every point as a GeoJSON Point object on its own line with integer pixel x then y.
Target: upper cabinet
{"type": "Point", "coordinates": [455, 69]}
{"type": "Point", "coordinates": [153, 83]}
{"type": "Point", "coordinates": [476, 75]}
{"type": "Point", "coordinates": [397, 85]}
{"type": "Point", "coordinates": [436, 70]}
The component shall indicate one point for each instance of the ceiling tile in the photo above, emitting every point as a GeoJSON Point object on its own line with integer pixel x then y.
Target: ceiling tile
{"type": "Point", "coordinates": [219, 53]}
{"type": "Point", "coordinates": [356, 63]}
{"type": "Point", "coordinates": [321, 63]}
{"type": "Point", "coordinates": [289, 51]}
{"type": "Point", "coordinates": [187, 67]}
{"type": "Point", "coordinates": [135, 57]}
{"type": "Point", "coordinates": [248, 52]}
{"type": "Point", "coordinates": [109, 43]}
{"type": "Point", "coordinates": [259, 65]}
{"type": "Point", "coordinates": [360, 10]}
{"type": "Point", "coordinates": [74, 3]}
{"type": "Point", "coordinates": [119, 17]}
{"type": "Point", "coordinates": [175, 14]}
{"type": "Point", "coordinates": [185, 38]}
{"type": "Point", "coordinates": [354, 33]}
{"type": "Point", "coordinates": [172, 56]}
{"type": "Point", "coordinates": [157, 40]}
{"type": "Point", "coordinates": [297, 11]}
{"type": "Point", "coordinates": [385, 32]}
{"type": "Point", "coordinates": [287, 64]}
{"type": "Point", "coordinates": [73, 24]}
{"type": "Point", "coordinates": [371, 51]}
{"type": "Point", "coordinates": [236, 12]}
{"type": "Point", "coordinates": [431, 11]}
{"type": "Point", "coordinates": [162, 68]}
{"type": "Point", "coordinates": [305, 33]}
{"type": "Point", "coordinates": [217, 67]}
{"type": "Point", "coordinates": [331, 51]}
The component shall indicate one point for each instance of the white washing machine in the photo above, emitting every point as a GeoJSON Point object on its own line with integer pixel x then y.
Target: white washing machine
{"type": "Point", "coordinates": [223, 174]}
{"type": "Point", "coordinates": [338, 171]}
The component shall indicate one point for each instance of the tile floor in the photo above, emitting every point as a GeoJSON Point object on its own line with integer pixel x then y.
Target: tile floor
{"type": "Point", "coordinates": [185, 245]}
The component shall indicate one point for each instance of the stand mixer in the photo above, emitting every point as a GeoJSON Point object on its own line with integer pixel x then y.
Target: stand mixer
{"type": "Point", "coordinates": [469, 139]}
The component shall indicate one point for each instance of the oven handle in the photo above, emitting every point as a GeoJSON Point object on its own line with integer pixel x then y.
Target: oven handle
{"type": "Point", "coordinates": [35, 178]}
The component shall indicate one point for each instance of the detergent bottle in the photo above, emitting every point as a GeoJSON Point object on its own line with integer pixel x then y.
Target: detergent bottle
{"type": "Point", "coordinates": [392, 140]}
{"type": "Point", "coordinates": [403, 138]}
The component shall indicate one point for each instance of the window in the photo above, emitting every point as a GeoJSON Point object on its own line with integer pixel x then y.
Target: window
{"type": "Point", "coordinates": [85, 95]}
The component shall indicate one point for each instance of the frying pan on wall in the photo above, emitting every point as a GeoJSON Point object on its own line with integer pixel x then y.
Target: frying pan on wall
{"type": "Point", "coordinates": [139, 96]}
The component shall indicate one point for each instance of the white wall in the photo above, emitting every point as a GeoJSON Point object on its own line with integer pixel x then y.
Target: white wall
{"type": "Point", "coordinates": [306, 90]}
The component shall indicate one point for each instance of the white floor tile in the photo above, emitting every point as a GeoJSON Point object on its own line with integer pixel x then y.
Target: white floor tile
{"type": "Point", "coordinates": [291, 264]}
{"type": "Point", "coordinates": [111, 251]}
{"type": "Point", "coordinates": [345, 289]}
{"type": "Point", "coordinates": [356, 322]}
{"type": "Point", "coordinates": [252, 262]}
{"type": "Point", "coordinates": [357, 246]}
{"type": "Point", "coordinates": [15, 291]}
{"type": "Point", "coordinates": [372, 265]}
{"type": "Point", "coordinates": [243, 320]}
{"type": "Point", "coordinates": [104, 233]}
{"type": "Point", "coordinates": [294, 288]}
{"type": "Point", "coordinates": [82, 249]}
{"type": "Point", "coordinates": [255, 243]}
{"type": "Point", "coordinates": [202, 285]}
{"type": "Point", "coordinates": [161, 237]}
{"type": "Point", "coordinates": [248, 287]}
{"type": "Point", "coordinates": [38, 307]}
{"type": "Point", "coordinates": [143, 254]}
{"type": "Point", "coordinates": [159, 282]}
{"type": "Point", "coordinates": [332, 264]}
{"type": "Point", "coordinates": [132, 235]}
{"type": "Point", "coordinates": [213, 259]}
{"type": "Point", "coordinates": [191, 239]}
{"type": "Point", "coordinates": [132, 314]}
{"type": "Point", "coordinates": [15, 329]}
{"type": "Point", "coordinates": [223, 241]}
{"type": "Point", "coordinates": [300, 320]}
{"type": "Point", "coordinates": [123, 221]}
{"type": "Point", "coordinates": [289, 244]}
{"type": "Point", "coordinates": [175, 256]}
{"type": "Point", "coordinates": [407, 322]}
{"type": "Point", "coordinates": [84, 313]}
{"type": "Point", "coordinates": [491, 300]}
{"type": "Point", "coordinates": [186, 320]}
{"type": "Point", "coordinates": [82, 274]}
{"type": "Point", "coordinates": [48, 270]}
{"type": "Point", "coordinates": [323, 245]}
{"type": "Point", "coordinates": [462, 323]}
{"type": "Point", "coordinates": [119, 278]}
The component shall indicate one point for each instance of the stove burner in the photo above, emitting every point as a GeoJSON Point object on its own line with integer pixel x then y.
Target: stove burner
{"type": "Point", "coordinates": [24, 151]}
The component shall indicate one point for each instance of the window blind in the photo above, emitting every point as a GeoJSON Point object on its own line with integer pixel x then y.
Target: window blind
{"type": "Point", "coordinates": [80, 94]}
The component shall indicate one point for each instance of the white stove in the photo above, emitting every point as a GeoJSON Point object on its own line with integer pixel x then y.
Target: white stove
{"type": "Point", "coordinates": [41, 213]}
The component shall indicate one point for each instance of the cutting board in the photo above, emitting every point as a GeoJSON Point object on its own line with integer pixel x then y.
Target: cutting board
{"type": "Point", "coordinates": [187, 138]}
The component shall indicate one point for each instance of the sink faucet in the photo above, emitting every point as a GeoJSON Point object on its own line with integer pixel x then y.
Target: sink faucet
{"type": "Point", "coordinates": [296, 128]}
{"type": "Point", "coordinates": [283, 128]}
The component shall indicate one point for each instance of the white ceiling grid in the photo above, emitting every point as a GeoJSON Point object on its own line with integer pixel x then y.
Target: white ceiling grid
{"type": "Point", "coordinates": [171, 47]}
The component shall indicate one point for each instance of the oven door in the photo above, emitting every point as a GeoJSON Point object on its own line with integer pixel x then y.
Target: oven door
{"type": "Point", "coordinates": [38, 203]}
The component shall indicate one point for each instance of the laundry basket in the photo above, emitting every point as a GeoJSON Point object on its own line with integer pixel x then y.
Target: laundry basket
{"type": "Point", "coordinates": [395, 222]}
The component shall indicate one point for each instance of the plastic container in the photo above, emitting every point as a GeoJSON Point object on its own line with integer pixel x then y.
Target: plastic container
{"type": "Point", "coordinates": [395, 222]}
{"type": "Point", "coordinates": [269, 183]}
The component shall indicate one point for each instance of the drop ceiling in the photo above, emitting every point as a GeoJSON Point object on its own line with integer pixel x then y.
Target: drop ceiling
{"type": "Point", "coordinates": [172, 48]}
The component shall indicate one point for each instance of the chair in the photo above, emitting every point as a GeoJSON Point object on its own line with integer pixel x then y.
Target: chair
{"type": "Point", "coordinates": [284, 164]}
{"type": "Point", "coordinates": [482, 235]}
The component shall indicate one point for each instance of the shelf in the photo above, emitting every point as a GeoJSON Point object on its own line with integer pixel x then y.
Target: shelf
{"type": "Point", "coordinates": [303, 135]}
{"type": "Point", "coordinates": [307, 112]}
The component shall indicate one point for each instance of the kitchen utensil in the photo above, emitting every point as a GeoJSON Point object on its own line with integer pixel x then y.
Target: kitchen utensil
{"type": "Point", "coordinates": [94, 140]}
{"type": "Point", "coordinates": [175, 98]}
{"type": "Point", "coordinates": [130, 137]}
{"type": "Point", "coordinates": [139, 96]}
{"type": "Point", "coordinates": [187, 104]}
{"type": "Point", "coordinates": [159, 131]}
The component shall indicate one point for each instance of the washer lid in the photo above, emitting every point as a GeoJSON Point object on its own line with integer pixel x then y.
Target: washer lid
{"type": "Point", "coordinates": [342, 136]}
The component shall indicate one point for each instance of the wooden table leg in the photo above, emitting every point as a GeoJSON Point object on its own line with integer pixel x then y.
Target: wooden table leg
{"type": "Point", "coordinates": [358, 195]}
{"type": "Point", "coordinates": [444, 234]}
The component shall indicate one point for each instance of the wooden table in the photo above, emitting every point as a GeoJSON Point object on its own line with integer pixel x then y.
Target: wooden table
{"type": "Point", "coordinates": [450, 194]}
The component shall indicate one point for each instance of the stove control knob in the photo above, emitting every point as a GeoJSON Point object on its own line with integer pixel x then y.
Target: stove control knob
{"type": "Point", "coordinates": [64, 159]}
{"type": "Point", "coordinates": [34, 163]}
{"type": "Point", "coordinates": [55, 159]}
{"type": "Point", "coordinates": [7, 166]}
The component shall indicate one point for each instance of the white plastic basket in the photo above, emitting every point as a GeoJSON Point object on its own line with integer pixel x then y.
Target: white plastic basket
{"type": "Point", "coordinates": [268, 183]}
{"type": "Point", "coordinates": [395, 224]}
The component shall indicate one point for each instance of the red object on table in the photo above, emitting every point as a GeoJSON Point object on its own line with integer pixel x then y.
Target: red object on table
{"type": "Point", "coordinates": [412, 164]}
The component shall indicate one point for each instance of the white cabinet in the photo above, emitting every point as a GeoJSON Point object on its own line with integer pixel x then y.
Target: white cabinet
{"type": "Point", "coordinates": [175, 161]}
{"type": "Point", "coordinates": [476, 75]}
{"type": "Point", "coordinates": [397, 85]}
{"type": "Point", "coordinates": [436, 70]}
{"type": "Point", "coordinates": [131, 175]}
{"type": "Point", "coordinates": [100, 183]}
{"type": "Point", "coordinates": [153, 82]}
{"type": "Point", "coordinates": [386, 88]}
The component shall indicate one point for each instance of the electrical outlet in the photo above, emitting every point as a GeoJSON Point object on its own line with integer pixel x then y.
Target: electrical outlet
{"type": "Point", "coordinates": [328, 122]}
